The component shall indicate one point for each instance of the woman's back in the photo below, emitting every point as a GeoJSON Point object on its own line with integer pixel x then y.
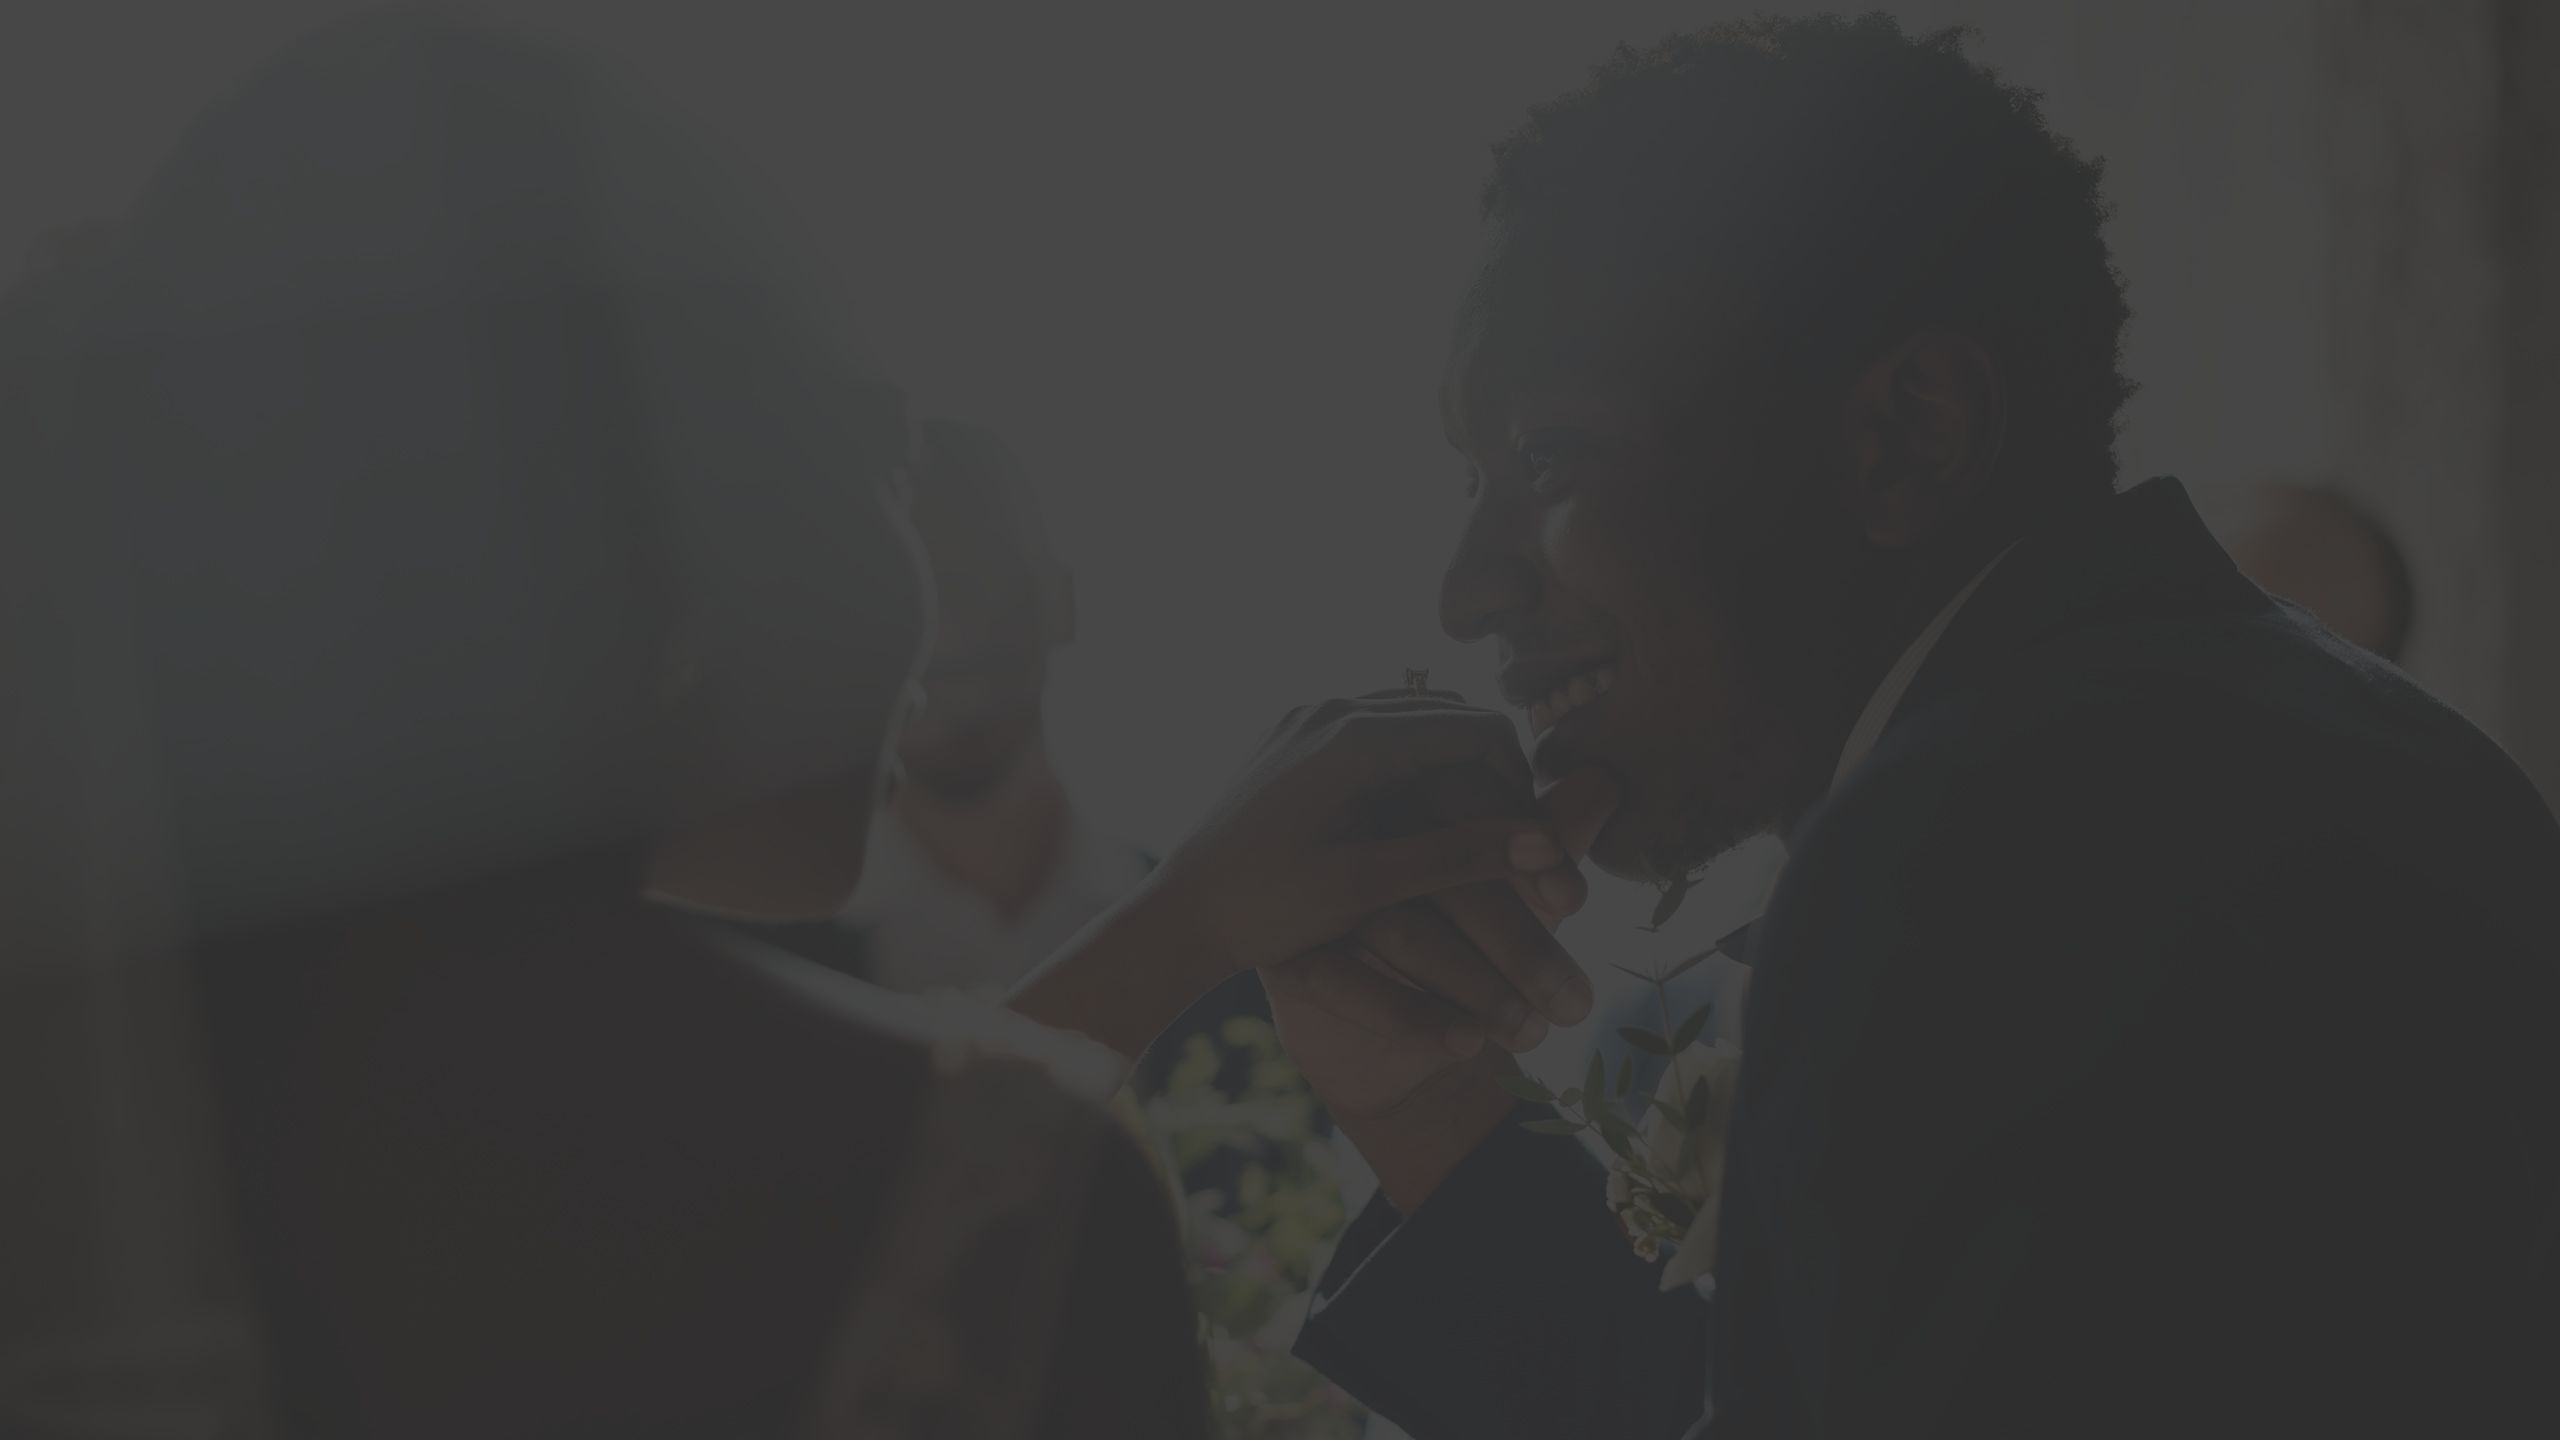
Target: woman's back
{"type": "Point", "coordinates": [535, 1157]}
{"type": "Point", "coordinates": [531, 1158]}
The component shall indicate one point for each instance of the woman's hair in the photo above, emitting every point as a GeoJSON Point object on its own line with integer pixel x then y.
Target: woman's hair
{"type": "Point", "coordinates": [470, 476]}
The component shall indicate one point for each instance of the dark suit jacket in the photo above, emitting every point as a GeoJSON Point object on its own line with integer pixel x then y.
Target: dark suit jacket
{"type": "Point", "coordinates": [533, 1158]}
{"type": "Point", "coordinates": [2152, 1037]}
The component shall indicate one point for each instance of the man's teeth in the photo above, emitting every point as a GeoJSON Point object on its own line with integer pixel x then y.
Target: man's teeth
{"type": "Point", "coordinates": [1548, 713]}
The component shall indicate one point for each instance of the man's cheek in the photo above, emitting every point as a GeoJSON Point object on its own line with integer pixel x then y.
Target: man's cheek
{"type": "Point", "coordinates": [1583, 541]}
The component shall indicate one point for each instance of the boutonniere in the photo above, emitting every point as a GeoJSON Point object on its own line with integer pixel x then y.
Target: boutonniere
{"type": "Point", "coordinates": [1666, 1180]}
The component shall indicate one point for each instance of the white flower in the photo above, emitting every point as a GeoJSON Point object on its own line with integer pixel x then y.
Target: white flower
{"type": "Point", "coordinates": [1668, 1181]}
{"type": "Point", "coordinates": [1698, 1088]}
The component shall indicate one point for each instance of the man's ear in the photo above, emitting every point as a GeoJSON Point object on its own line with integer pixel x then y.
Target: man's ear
{"type": "Point", "coordinates": [1058, 603]}
{"type": "Point", "coordinates": [1926, 424]}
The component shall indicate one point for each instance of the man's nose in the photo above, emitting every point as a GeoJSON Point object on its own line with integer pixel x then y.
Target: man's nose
{"type": "Point", "coordinates": [1488, 581]}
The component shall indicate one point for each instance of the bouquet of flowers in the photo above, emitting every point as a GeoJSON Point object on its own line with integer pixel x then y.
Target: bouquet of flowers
{"type": "Point", "coordinates": [1262, 1209]}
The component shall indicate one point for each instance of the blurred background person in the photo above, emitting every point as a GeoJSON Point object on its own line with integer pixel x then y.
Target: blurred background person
{"type": "Point", "coordinates": [2317, 547]}
{"type": "Point", "coordinates": [981, 864]}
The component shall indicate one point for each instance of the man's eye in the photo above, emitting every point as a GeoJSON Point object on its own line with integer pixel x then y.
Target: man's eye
{"type": "Point", "coordinates": [1552, 459]}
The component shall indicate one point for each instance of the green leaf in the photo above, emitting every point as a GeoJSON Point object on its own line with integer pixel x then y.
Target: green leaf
{"type": "Point", "coordinates": [1672, 894]}
{"type": "Point", "coordinates": [1673, 1113]}
{"type": "Point", "coordinates": [1644, 1040]}
{"type": "Point", "coordinates": [1617, 1134]}
{"type": "Point", "coordinates": [1551, 1127]}
{"type": "Point", "coordinates": [1595, 1081]}
{"type": "Point", "coordinates": [1685, 966]}
{"type": "Point", "coordinates": [1626, 1075]}
{"type": "Point", "coordinates": [1692, 1027]}
{"type": "Point", "coordinates": [1631, 972]}
{"type": "Point", "coordinates": [1674, 1209]}
{"type": "Point", "coordinates": [1569, 1098]}
{"type": "Point", "coordinates": [1528, 1087]}
{"type": "Point", "coordinates": [1687, 1160]}
{"type": "Point", "coordinates": [1699, 1095]}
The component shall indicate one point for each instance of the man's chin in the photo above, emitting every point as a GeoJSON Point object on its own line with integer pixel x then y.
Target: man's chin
{"type": "Point", "coordinates": [1619, 850]}
{"type": "Point", "coordinates": [1644, 849]}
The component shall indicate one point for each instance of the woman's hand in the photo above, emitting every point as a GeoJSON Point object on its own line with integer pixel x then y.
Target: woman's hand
{"type": "Point", "coordinates": [1319, 832]}
{"type": "Point", "coordinates": [1309, 842]}
{"type": "Point", "coordinates": [1390, 1025]}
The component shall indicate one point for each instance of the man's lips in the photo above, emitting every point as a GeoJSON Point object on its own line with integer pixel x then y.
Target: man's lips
{"type": "Point", "coordinates": [1550, 690]}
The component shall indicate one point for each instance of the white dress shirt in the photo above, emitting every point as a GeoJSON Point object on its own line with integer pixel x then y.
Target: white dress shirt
{"type": "Point", "coordinates": [1897, 681]}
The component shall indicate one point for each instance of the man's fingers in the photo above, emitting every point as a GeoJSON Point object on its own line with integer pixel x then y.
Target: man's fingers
{"type": "Point", "coordinates": [1335, 980]}
{"type": "Point", "coordinates": [1516, 941]}
{"type": "Point", "coordinates": [1418, 944]}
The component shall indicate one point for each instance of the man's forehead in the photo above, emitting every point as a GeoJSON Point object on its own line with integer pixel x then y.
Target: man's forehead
{"type": "Point", "coordinates": [1510, 349]}
{"type": "Point", "coordinates": [1500, 376]}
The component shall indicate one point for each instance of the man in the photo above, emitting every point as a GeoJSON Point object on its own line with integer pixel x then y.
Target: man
{"type": "Point", "coordinates": [2316, 547]}
{"type": "Point", "coordinates": [980, 866]}
{"type": "Point", "coordinates": [2149, 1032]}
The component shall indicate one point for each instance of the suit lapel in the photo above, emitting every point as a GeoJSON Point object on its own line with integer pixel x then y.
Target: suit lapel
{"type": "Point", "coordinates": [2146, 555]}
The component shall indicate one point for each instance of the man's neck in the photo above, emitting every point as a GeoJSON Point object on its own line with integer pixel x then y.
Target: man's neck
{"type": "Point", "coordinates": [1004, 844]}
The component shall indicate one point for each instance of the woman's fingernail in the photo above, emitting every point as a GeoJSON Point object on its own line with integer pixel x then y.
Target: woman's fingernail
{"type": "Point", "coordinates": [1531, 1034]}
{"type": "Point", "coordinates": [1535, 850]}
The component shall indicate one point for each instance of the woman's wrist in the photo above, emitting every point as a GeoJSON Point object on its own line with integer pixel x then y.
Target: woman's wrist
{"type": "Point", "coordinates": [1128, 976]}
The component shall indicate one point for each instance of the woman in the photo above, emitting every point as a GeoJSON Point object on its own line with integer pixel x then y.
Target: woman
{"type": "Point", "coordinates": [499, 545]}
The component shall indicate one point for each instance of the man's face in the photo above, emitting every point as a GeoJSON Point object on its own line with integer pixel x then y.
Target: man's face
{"type": "Point", "coordinates": [989, 660]}
{"type": "Point", "coordinates": [1660, 614]}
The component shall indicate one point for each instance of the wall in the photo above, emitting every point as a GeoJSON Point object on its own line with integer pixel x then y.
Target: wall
{"type": "Point", "coordinates": [2529, 37]}
{"type": "Point", "coordinates": [2417, 288]}
{"type": "Point", "coordinates": [1202, 271]}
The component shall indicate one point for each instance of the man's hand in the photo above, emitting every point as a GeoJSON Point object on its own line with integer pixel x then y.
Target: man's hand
{"type": "Point", "coordinates": [1390, 1025]}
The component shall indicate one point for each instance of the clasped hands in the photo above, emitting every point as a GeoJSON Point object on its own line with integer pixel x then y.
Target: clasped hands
{"type": "Point", "coordinates": [1389, 868]}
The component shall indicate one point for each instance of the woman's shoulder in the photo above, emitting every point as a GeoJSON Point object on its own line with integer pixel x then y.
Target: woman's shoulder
{"type": "Point", "coordinates": [960, 1034]}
